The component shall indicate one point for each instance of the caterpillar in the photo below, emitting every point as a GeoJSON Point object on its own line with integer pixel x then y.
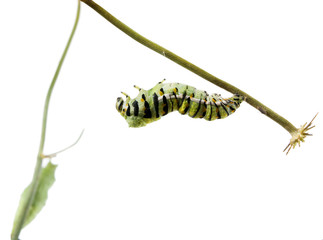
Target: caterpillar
{"type": "Point", "coordinates": [151, 105]}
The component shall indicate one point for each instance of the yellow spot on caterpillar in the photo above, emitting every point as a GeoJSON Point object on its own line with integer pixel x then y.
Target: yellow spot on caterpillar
{"type": "Point", "coordinates": [175, 90]}
{"type": "Point", "coordinates": [213, 100]}
{"type": "Point", "coordinates": [161, 93]}
{"type": "Point", "coordinates": [142, 100]}
{"type": "Point", "coordinates": [191, 96]}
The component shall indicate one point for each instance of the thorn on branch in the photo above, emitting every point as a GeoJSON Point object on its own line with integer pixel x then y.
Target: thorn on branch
{"type": "Point", "coordinates": [50, 156]}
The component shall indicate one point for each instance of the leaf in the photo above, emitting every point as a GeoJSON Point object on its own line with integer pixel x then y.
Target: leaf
{"type": "Point", "coordinates": [46, 180]}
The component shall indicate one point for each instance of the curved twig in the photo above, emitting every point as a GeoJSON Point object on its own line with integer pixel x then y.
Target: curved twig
{"type": "Point", "coordinates": [193, 68]}
{"type": "Point", "coordinates": [38, 168]}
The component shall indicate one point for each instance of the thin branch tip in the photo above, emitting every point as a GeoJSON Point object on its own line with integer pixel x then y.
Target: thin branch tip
{"type": "Point", "coordinates": [299, 135]}
{"type": "Point", "coordinates": [50, 156]}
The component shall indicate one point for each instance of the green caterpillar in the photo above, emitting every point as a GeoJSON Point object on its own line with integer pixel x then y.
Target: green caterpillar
{"type": "Point", "coordinates": [151, 105]}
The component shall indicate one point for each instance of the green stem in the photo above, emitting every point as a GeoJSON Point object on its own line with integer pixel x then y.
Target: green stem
{"type": "Point", "coordinates": [38, 168]}
{"type": "Point", "coordinates": [193, 68]}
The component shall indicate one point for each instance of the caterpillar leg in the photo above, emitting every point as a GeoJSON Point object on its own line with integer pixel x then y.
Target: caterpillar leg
{"type": "Point", "coordinates": [139, 88]}
{"type": "Point", "coordinates": [162, 81]}
{"type": "Point", "coordinates": [127, 97]}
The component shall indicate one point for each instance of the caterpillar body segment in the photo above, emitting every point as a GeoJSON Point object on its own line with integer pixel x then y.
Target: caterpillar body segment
{"type": "Point", "coordinates": [150, 105]}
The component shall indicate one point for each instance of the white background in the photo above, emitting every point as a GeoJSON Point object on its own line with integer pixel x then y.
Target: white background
{"type": "Point", "coordinates": [177, 178]}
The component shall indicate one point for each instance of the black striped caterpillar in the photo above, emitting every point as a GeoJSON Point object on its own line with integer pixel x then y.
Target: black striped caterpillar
{"type": "Point", "coordinates": [151, 105]}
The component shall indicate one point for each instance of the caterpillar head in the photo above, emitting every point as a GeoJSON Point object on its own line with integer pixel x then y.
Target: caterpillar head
{"type": "Point", "coordinates": [136, 122]}
{"type": "Point", "coordinates": [119, 104]}
{"type": "Point", "coordinates": [133, 121]}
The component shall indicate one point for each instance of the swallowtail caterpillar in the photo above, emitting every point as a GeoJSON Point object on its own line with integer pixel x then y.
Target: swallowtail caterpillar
{"type": "Point", "coordinates": [151, 105]}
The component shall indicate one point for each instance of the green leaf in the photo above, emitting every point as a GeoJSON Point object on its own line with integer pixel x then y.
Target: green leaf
{"type": "Point", "coordinates": [46, 180]}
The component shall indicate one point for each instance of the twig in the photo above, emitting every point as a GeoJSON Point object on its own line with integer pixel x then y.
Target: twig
{"type": "Point", "coordinates": [35, 181]}
{"type": "Point", "coordinates": [193, 68]}
{"type": "Point", "coordinates": [63, 150]}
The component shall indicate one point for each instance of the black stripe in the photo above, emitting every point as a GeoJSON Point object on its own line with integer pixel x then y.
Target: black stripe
{"type": "Point", "coordinates": [143, 97]}
{"type": "Point", "coordinates": [165, 108]}
{"type": "Point", "coordinates": [218, 112]}
{"type": "Point", "coordinates": [211, 111]}
{"type": "Point", "coordinates": [136, 108]}
{"type": "Point", "coordinates": [156, 104]}
{"type": "Point", "coordinates": [120, 106]}
{"type": "Point", "coordinates": [232, 108]}
{"type": "Point", "coordinates": [204, 112]}
{"type": "Point", "coordinates": [147, 110]}
{"type": "Point", "coordinates": [162, 90]}
{"type": "Point", "coordinates": [184, 96]}
{"type": "Point", "coordinates": [188, 106]}
{"type": "Point", "coordinates": [170, 99]}
{"type": "Point", "coordinates": [225, 109]}
{"type": "Point", "coordinates": [128, 111]}
{"type": "Point", "coordinates": [198, 109]}
{"type": "Point", "coordinates": [176, 100]}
